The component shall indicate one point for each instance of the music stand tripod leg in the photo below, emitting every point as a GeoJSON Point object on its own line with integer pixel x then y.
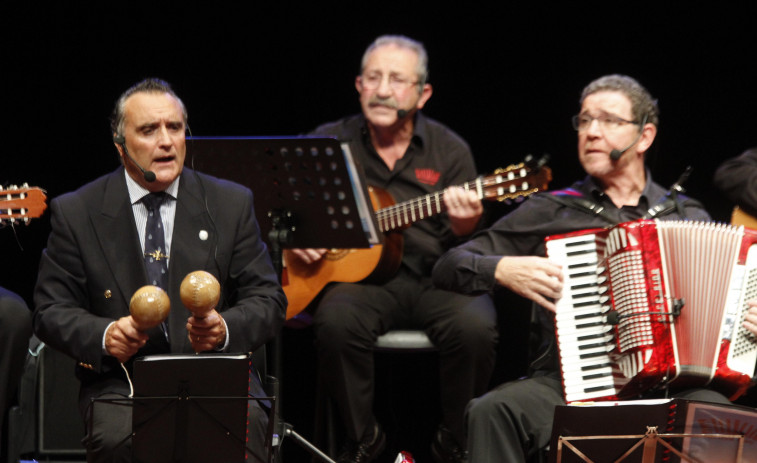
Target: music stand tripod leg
{"type": "Point", "coordinates": [315, 451]}
{"type": "Point", "coordinates": [286, 430]}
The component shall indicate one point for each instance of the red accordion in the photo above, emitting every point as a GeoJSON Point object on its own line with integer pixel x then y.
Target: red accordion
{"type": "Point", "coordinates": [654, 304]}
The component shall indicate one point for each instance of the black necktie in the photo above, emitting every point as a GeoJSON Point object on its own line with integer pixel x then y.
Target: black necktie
{"type": "Point", "coordinates": [156, 260]}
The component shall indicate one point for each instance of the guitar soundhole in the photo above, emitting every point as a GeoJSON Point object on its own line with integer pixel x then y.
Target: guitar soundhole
{"type": "Point", "coordinates": [336, 254]}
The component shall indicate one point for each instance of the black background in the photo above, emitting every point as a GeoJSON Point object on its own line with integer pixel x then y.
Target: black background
{"type": "Point", "coordinates": [506, 77]}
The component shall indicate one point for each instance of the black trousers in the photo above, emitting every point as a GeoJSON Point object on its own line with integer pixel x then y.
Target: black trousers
{"type": "Point", "coordinates": [351, 316]}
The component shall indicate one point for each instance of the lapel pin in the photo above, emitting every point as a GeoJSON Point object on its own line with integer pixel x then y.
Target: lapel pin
{"type": "Point", "coordinates": [203, 235]}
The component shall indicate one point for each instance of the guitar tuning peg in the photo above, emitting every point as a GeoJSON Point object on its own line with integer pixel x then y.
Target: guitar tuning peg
{"type": "Point", "coordinates": [533, 163]}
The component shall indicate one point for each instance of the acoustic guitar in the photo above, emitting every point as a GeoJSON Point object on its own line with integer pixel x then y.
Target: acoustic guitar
{"type": "Point", "coordinates": [739, 217]}
{"type": "Point", "coordinates": [302, 282]}
{"type": "Point", "coordinates": [20, 204]}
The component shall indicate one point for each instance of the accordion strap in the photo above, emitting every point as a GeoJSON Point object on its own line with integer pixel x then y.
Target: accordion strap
{"type": "Point", "coordinates": [665, 207]}
{"type": "Point", "coordinates": [576, 200]}
{"type": "Point", "coordinates": [672, 202]}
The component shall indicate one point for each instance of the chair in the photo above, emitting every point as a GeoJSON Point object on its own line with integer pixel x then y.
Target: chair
{"type": "Point", "coordinates": [46, 422]}
{"type": "Point", "coordinates": [404, 340]}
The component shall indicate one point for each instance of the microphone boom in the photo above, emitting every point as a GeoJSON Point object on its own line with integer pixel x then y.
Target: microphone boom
{"type": "Point", "coordinates": [148, 174]}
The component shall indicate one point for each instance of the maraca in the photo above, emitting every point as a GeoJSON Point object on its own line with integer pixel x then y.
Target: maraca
{"type": "Point", "coordinates": [200, 292]}
{"type": "Point", "coordinates": [149, 306]}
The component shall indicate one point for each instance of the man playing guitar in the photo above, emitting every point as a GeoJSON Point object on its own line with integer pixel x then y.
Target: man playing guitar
{"type": "Point", "coordinates": [408, 155]}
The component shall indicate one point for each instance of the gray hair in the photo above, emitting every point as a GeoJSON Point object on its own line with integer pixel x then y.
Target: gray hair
{"type": "Point", "coordinates": [643, 105]}
{"type": "Point", "coordinates": [151, 85]}
{"type": "Point", "coordinates": [402, 42]}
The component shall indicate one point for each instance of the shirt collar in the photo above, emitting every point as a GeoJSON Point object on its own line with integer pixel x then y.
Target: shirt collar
{"type": "Point", "coordinates": [419, 129]}
{"type": "Point", "coordinates": [647, 194]}
{"type": "Point", "coordinates": [137, 191]}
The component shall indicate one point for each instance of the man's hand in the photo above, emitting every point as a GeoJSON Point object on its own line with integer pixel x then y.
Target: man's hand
{"type": "Point", "coordinates": [464, 210]}
{"type": "Point", "coordinates": [309, 255]}
{"type": "Point", "coordinates": [535, 278]}
{"type": "Point", "coordinates": [750, 320]}
{"type": "Point", "coordinates": [123, 339]}
{"type": "Point", "coordinates": [207, 333]}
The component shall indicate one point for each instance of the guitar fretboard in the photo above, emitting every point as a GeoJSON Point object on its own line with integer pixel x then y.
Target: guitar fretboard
{"type": "Point", "coordinates": [509, 183]}
{"type": "Point", "coordinates": [409, 212]}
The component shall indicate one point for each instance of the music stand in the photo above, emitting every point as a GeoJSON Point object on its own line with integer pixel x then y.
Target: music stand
{"type": "Point", "coordinates": [191, 408]}
{"type": "Point", "coordinates": [676, 430]}
{"type": "Point", "coordinates": [309, 193]}
{"type": "Point", "coordinates": [303, 183]}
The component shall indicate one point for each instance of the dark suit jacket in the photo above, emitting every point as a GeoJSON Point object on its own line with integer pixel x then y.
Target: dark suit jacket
{"type": "Point", "coordinates": [94, 263]}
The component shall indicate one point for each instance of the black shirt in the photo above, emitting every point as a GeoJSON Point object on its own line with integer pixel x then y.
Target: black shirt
{"type": "Point", "coordinates": [436, 158]}
{"type": "Point", "coordinates": [469, 268]}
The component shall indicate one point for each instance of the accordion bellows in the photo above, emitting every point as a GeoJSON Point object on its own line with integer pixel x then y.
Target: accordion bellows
{"type": "Point", "coordinates": [655, 304]}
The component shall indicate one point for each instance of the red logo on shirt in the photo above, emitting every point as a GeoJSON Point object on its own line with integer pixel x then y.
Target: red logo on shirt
{"type": "Point", "coordinates": [427, 176]}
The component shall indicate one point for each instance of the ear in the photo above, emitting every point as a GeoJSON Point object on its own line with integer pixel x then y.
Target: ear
{"type": "Point", "coordinates": [426, 92]}
{"type": "Point", "coordinates": [118, 146]}
{"type": "Point", "coordinates": [648, 134]}
{"type": "Point", "coordinates": [358, 84]}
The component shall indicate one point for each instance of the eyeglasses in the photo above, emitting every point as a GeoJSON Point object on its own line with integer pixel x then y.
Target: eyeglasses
{"type": "Point", "coordinates": [396, 83]}
{"type": "Point", "coordinates": [606, 121]}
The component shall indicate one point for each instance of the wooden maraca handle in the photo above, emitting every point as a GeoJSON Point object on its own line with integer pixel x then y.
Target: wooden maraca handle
{"type": "Point", "coordinates": [149, 306]}
{"type": "Point", "coordinates": [200, 292]}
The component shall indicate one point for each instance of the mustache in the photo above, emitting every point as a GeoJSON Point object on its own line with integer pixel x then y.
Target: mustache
{"type": "Point", "coordinates": [388, 102]}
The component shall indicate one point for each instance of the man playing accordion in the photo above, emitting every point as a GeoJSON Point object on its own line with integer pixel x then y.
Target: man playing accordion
{"type": "Point", "coordinates": [616, 126]}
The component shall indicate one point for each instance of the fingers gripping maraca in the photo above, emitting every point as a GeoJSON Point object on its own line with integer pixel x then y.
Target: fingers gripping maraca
{"type": "Point", "coordinates": [148, 307]}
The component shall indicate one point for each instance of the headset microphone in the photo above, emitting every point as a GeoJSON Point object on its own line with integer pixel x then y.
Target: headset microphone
{"type": "Point", "coordinates": [401, 113]}
{"type": "Point", "coordinates": [616, 154]}
{"type": "Point", "coordinates": [148, 174]}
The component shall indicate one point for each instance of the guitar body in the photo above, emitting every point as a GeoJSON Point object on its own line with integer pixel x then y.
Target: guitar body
{"type": "Point", "coordinates": [739, 217]}
{"type": "Point", "coordinates": [303, 282]}
{"type": "Point", "coordinates": [373, 265]}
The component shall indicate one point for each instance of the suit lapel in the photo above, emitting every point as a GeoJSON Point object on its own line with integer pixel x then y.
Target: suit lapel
{"type": "Point", "coordinates": [191, 249]}
{"type": "Point", "coordinates": [116, 231]}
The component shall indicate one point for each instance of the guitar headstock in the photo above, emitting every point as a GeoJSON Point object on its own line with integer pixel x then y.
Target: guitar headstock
{"type": "Point", "coordinates": [518, 180]}
{"type": "Point", "coordinates": [20, 204]}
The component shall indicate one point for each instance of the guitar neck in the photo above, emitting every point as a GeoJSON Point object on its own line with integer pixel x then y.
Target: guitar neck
{"type": "Point", "coordinates": [406, 213]}
{"type": "Point", "coordinates": [21, 204]}
{"type": "Point", "coordinates": [512, 183]}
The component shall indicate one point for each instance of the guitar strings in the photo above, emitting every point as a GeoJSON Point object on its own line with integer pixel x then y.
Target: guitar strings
{"type": "Point", "coordinates": [407, 212]}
